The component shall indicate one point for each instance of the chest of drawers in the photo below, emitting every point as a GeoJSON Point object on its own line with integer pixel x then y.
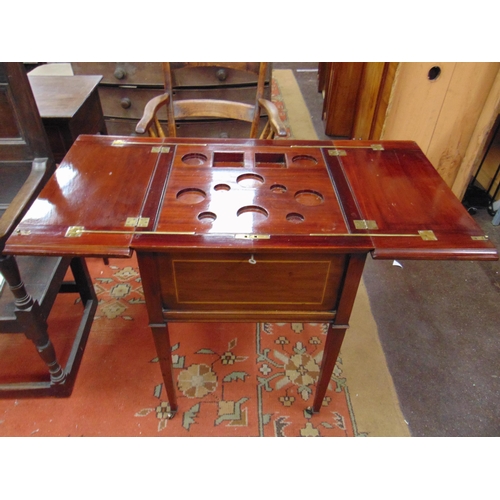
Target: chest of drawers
{"type": "Point", "coordinates": [126, 87]}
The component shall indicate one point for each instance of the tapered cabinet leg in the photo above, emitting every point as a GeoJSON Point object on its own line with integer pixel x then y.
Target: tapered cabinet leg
{"type": "Point", "coordinates": [337, 329]}
{"type": "Point", "coordinates": [334, 339]}
{"type": "Point", "coordinates": [152, 292]}
{"type": "Point", "coordinates": [164, 352]}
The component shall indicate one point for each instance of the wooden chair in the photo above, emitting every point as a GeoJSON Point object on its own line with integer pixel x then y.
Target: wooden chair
{"type": "Point", "coordinates": [210, 108]}
{"type": "Point", "coordinates": [26, 163]}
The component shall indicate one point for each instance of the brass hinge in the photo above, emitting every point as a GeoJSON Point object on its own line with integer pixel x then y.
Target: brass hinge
{"type": "Point", "coordinates": [365, 224]}
{"type": "Point", "coordinates": [342, 152]}
{"type": "Point", "coordinates": [252, 236]}
{"type": "Point", "coordinates": [480, 238]}
{"type": "Point", "coordinates": [337, 152]}
{"type": "Point", "coordinates": [119, 143]}
{"type": "Point", "coordinates": [427, 235]}
{"type": "Point", "coordinates": [137, 222]}
{"type": "Point", "coordinates": [74, 231]}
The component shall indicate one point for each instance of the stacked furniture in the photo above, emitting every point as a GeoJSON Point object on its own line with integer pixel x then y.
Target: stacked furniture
{"type": "Point", "coordinates": [126, 88]}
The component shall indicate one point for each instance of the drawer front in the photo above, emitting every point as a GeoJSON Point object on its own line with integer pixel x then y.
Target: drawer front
{"type": "Point", "coordinates": [143, 73]}
{"type": "Point", "coordinates": [128, 73]}
{"type": "Point", "coordinates": [215, 76]}
{"type": "Point", "coordinates": [260, 282]}
{"type": "Point", "coordinates": [120, 102]}
{"type": "Point", "coordinates": [124, 102]}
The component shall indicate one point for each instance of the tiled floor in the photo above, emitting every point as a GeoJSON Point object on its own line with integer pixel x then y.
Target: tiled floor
{"type": "Point", "coordinates": [439, 324]}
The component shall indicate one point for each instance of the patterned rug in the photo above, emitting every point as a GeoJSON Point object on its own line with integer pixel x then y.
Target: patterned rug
{"type": "Point", "coordinates": [233, 379]}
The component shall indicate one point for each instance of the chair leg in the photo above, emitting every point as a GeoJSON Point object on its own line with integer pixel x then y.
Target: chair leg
{"type": "Point", "coordinates": [29, 314]}
{"type": "Point", "coordinates": [36, 330]}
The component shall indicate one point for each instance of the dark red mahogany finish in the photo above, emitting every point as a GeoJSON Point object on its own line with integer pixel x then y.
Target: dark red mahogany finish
{"type": "Point", "coordinates": [248, 230]}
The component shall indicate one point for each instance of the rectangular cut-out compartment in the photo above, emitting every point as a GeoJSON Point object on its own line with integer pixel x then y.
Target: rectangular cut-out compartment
{"type": "Point", "coordinates": [270, 160]}
{"type": "Point", "coordinates": [229, 159]}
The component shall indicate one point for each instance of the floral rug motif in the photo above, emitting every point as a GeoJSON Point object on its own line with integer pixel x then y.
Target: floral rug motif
{"type": "Point", "coordinates": [235, 379]}
{"type": "Point", "coordinates": [232, 379]}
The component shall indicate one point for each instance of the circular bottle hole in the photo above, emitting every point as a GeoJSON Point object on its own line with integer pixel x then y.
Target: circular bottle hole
{"type": "Point", "coordinates": [278, 188]}
{"type": "Point", "coordinates": [434, 73]}
{"type": "Point", "coordinates": [191, 196]}
{"type": "Point", "coordinates": [194, 159]}
{"type": "Point", "coordinates": [305, 159]}
{"type": "Point", "coordinates": [295, 217]}
{"type": "Point", "coordinates": [250, 180]}
{"type": "Point", "coordinates": [207, 216]}
{"type": "Point", "coordinates": [254, 210]}
{"type": "Point", "coordinates": [309, 197]}
{"type": "Point", "coordinates": [222, 187]}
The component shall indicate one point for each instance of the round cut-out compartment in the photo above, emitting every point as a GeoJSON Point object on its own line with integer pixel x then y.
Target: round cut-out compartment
{"type": "Point", "coordinates": [222, 187]}
{"type": "Point", "coordinates": [207, 216]}
{"type": "Point", "coordinates": [250, 180]}
{"type": "Point", "coordinates": [191, 196]}
{"type": "Point", "coordinates": [295, 217]}
{"type": "Point", "coordinates": [194, 159]}
{"type": "Point", "coordinates": [254, 210]}
{"type": "Point", "coordinates": [278, 188]}
{"type": "Point", "coordinates": [309, 198]}
{"type": "Point", "coordinates": [305, 160]}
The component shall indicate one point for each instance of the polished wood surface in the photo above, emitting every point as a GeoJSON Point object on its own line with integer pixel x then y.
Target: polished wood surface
{"type": "Point", "coordinates": [69, 106]}
{"type": "Point", "coordinates": [249, 230]}
{"type": "Point", "coordinates": [179, 185]}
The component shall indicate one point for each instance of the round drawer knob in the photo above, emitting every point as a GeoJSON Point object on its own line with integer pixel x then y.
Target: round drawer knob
{"type": "Point", "coordinates": [120, 73]}
{"type": "Point", "coordinates": [221, 74]}
{"type": "Point", "coordinates": [126, 103]}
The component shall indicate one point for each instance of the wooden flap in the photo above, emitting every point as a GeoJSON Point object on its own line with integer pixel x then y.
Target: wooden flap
{"type": "Point", "coordinates": [398, 192]}
{"type": "Point", "coordinates": [95, 201]}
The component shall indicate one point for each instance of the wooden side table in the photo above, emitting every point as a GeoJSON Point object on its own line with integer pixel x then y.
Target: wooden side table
{"type": "Point", "coordinates": [69, 106]}
{"type": "Point", "coordinates": [248, 230]}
